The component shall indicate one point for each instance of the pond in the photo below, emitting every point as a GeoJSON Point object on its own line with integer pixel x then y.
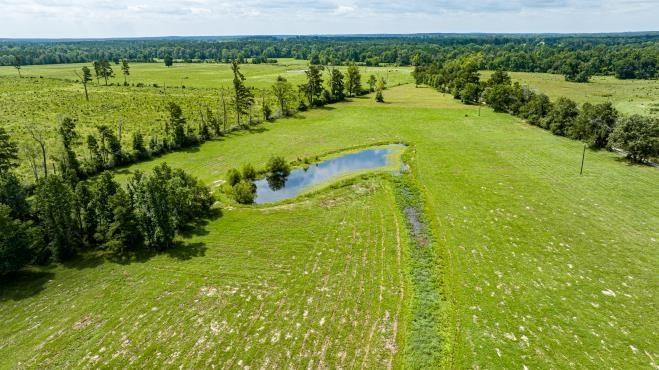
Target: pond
{"type": "Point", "coordinates": [300, 180]}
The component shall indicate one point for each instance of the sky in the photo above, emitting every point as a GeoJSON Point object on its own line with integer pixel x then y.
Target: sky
{"type": "Point", "coordinates": [127, 18]}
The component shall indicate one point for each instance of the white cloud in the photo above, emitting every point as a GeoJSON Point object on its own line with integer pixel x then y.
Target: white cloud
{"type": "Point", "coordinates": [105, 18]}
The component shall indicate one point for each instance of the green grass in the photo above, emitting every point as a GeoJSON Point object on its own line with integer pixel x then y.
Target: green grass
{"type": "Point", "coordinates": [35, 101]}
{"type": "Point", "coordinates": [203, 75]}
{"type": "Point", "coordinates": [628, 96]}
{"type": "Point", "coordinates": [535, 265]}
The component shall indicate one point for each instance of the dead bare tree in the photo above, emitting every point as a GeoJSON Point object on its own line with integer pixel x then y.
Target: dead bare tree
{"type": "Point", "coordinates": [37, 135]}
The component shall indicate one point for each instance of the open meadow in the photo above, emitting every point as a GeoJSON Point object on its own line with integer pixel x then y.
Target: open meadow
{"type": "Point", "coordinates": [628, 96]}
{"type": "Point", "coordinates": [531, 264]}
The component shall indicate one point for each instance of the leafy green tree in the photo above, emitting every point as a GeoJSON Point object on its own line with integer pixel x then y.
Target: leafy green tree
{"type": "Point", "coordinates": [18, 241]}
{"type": "Point", "coordinates": [594, 124]}
{"type": "Point", "coordinates": [314, 85]}
{"type": "Point", "coordinates": [249, 173]}
{"type": "Point", "coordinates": [14, 195]}
{"type": "Point", "coordinates": [123, 234]}
{"type": "Point", "coordinates": [85, 212]}
{"type": "Point", "coordinates": [283, 92]}
{"type": "Point", "coordinates": [169, 61]}
{"type": "Point", "coordinates": [379, 97]}
{"type": "Point", "coordinates": [372, 80]}
{"type": "Point", "coordinates": [499, 77]}
{"type": "Point", "coordinates": [176, 124]}
{"type": "Point", "coordinates": [244, 192]}
{"type": "Point", "coordinates": [561, 117]}
{"type": "Point", "coordinates": [8, 152]}
{"type": "Point", "coordinates": [102, 189]}
{"type": "Point", "coordinates": [85, 78]}
{"type": "Point", "coordinates": [470, 93]}
{"type": "Point", "coordinates": [106, 70]}
{"type": "Point", "coordinates": [353, 80]}
{"type": "Point", "coordinates": [243, 97]}
{"type": "Point", "coordinates": [638, 136]}
{"type": "Point", "coordinates": [233, 176]}
{"type": "Point", "coordinates": [110, 146]}
{"type": "Point", "coordinates": [98, 71]}
{"type": "Point", "coordinates": [153, 211]}
{"type": "Point", "coordinates": [536, 109]}
{"type": "Point", "coordinates": [54, 205]}
{"type": "Point", "coordinates": [17, 63]}
{"type": "Point", "coordinates": [139, 147]}
{"type": "Point", "coordinates": [69, 164]}
{"type": "Point", "coordinates": [125, 70]}
{"type": "Point", "coordinates": [96, 160]}
{"type": "Point", "coordinates": [337, 87]}
{"type": "Point", "coordinates": [499, 97]}
{"type": "Point", "coordinates": [575, 71]}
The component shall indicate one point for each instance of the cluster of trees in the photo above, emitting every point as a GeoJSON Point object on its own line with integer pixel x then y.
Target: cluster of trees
{"type": "Point", "coordinates": [599, 125]}
{"type": "Point", "coordinates": [66, 216]}
{"type": "Point", "coordinates": [239, 107]}
{"type": "Point", "coordinates": [241, 182]}
{"type": "Point", "coordinates": [626, 55]}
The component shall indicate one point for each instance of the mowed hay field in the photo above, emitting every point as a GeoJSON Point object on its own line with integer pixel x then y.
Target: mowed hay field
{"type": "Point", "coordinates": [628, 96]}
{"type": "Point", "coordinates": [256, 287]}
{"type": "Point", "coordinates": [539, 267]}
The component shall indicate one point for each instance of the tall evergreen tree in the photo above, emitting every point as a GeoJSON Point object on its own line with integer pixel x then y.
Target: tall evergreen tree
{"type": "Point", "coordinates": [8, 152]}
{"type": "Point", "coordinates": [243, 97]}
{"type": "Point", "coordinates": [125, 70]}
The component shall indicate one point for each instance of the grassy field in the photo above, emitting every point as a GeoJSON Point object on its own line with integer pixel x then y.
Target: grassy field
{"type": "Point", "coordinates": [536, 265]}
{"type": "Point", "coordinates": [628, 96]}
{"type": "Point", "coordinates": [35, 101]}
{"type": "Point", "coordinates": [204, 75]}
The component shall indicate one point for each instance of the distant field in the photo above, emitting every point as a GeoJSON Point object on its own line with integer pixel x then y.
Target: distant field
{"type": "Point", "coordinates": [628, 96]}
{"type": "Point", "coordinates": [40, 101]}
{"type": "Point", "coordinates": [540, 267]}
{"type": "Point", "coordinates": [204, 75]}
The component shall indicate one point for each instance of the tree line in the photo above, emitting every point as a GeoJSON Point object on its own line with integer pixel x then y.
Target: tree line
{"type": "Point", "coordinates": [576, 56]}
{"type": "Point", "coordinates": [599, 125]}
{"type": "Point", "coordinates": [238, 107]}
{"type": "Point", "coordinates": [64, 216]}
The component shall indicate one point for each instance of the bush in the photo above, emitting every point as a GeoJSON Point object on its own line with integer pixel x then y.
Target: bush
{"type": "Point", "coordinates": [638, 136]}
{"type": "Point", "coordinates": [233, 176]}
{"type": "Point", "coordinates": [379, 97]}
{"type": "Point", "coordinates": [278, 166]}
{"type": "Point", "coordinates": [244, 192]}
{"type": "Point", "coordinates": [249, 173]}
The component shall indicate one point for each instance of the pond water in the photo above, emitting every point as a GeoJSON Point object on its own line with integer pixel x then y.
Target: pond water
{"type": "Point", "coordinates": [299, 180]}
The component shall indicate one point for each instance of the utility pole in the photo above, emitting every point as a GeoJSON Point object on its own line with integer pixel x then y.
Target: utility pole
{"type": "Point", "coordinates": [583, 156]}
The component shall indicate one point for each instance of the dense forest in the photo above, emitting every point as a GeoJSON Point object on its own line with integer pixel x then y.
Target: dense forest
{"type": "Point", "coordinates": [627, 55]}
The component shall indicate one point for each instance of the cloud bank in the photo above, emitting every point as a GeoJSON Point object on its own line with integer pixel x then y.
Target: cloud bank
{"type": "Point", "coordinates": [125, 18]}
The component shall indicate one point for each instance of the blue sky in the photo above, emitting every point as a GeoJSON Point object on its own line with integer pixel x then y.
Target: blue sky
{"type": "Point", "coordinates": [126, 18]}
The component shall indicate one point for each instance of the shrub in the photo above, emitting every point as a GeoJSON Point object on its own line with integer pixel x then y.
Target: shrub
{"type": "Point", "coordinates": [249, 173]}
{"type": "Point", "coordinates": [233, 176]}
{"type": "Point", "coordinates": [278, 166]}
{"type": "Point", "coordinates": [638, 136]}
{"type": "Point", "coordinates": [18, 242]}
{"type": "Point", "coordinates": [561, 117]}
{"type": "Point", "coordinates": [379, 97]}
{"type": "Point", "coordinates": [244, 192]}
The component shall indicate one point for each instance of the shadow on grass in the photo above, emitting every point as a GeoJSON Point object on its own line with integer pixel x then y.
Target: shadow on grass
{"type": "Point", "coordinates": [181, 250]}
{"type": "Point", "coordinates": [23, 284]}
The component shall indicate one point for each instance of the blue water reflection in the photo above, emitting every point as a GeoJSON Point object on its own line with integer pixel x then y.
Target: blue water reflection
{"type": "Point", "coordinates": [301, 179]}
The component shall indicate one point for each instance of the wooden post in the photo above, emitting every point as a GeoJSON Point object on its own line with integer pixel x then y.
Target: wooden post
{"type": "Point", "coordinates": [583, 156]}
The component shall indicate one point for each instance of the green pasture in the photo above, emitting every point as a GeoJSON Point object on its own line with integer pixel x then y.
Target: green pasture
{"type": "Point", "coordinates": [628, 96]}
{"type": "Point", "coordinates": [537, 266]}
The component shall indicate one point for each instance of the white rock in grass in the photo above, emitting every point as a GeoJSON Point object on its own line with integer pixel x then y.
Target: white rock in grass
{"type": "Point", "coordinates": [609, 292]}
